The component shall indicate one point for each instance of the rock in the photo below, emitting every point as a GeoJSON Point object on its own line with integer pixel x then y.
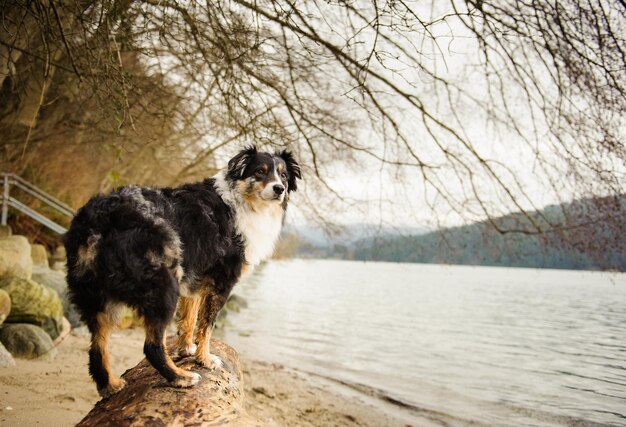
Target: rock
{"type": "Point", "coordinates": [81, 331]}
{"type": "Point", "coordinates": [261, 390]}
{"type": "Point", "coordinates": [5, 305]}
{"type": "Point", "coordinates": [221, 321]}
{"type": "Point", "coordinates": [59, 266]}
{"type": "Point", "coordinates": [237, 301]}
{"type": "Point", "coordinates": [57, 281]}
{"type": "Point", "coordinates": [50, 278]}
{"type": "Point", "coordinates": [58, 255]}
{"type": "Point", "coordinates": [59, 252]}
{"type": "Point", "coordinates": [33, 303]}
{"type": "Point", "coordinates": [5, 231]}
{"type": "Point", "coordinates": [217, 400]}
{"type": "Point", "coordinates": [15, 257]}
{"type": "Point", "coordinates": [27, 341]}
{"type": "Point", "coordinates": [232, 306]}
{"type": "Point", "coordinates": [39, 255]}
{"type": "Point", "coordinates": [6, 359]}
{"type": "Point", "coordinates": [129, 318]}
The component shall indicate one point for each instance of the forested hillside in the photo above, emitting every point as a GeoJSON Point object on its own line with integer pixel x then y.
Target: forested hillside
{"type": "Point", "coordinates": [569, 245]}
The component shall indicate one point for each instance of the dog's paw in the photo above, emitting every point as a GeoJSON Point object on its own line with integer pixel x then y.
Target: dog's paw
{"type": "Point", "coordinates": [114, 386]}
{"type": "Point", "coordinates": [212, 362]}
{"type": "Point", "coordinates": [189, 380]}
{"type": "Point", "coordinates": [187, 351]}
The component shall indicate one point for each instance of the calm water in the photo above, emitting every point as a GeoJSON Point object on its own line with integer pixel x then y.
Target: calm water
{"type": "Point", "coordinates": [494, 345]}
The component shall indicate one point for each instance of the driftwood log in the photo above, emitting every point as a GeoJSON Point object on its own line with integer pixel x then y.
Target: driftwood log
{"type": "Point", "coordinates": [146, 400]}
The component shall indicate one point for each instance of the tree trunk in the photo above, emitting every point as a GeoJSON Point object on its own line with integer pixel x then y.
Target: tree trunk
{"type": "Point", "coordinates": [146, 400]}
{"type": "Point", "coordinates": [17, 31]}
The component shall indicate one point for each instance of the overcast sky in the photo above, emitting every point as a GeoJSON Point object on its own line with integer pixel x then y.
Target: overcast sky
{"type": "Point", "coordinates": [398, 196]}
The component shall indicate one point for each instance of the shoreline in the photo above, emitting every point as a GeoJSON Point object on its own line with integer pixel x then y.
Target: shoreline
{"type": "Point", "coordinates": [60, 392]}
{"type": "Point", "coordinates": [330, 401]}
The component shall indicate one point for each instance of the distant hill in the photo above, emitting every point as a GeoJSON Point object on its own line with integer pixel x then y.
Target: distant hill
{"type": "Point", "coordinates": [349, 234]}
{"type": "Point", "coordinates": [586, 234]}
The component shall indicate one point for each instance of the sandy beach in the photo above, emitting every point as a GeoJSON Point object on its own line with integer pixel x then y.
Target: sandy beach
{"type": "Point", "coordinates": [60, 392]}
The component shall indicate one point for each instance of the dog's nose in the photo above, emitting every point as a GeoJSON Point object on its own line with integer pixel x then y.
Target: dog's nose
{"type": "Point", "coordinates": [279, 189]}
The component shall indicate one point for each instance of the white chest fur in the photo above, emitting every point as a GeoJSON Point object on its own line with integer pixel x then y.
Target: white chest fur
{"type": "Point", "coordinates": [260, 230]}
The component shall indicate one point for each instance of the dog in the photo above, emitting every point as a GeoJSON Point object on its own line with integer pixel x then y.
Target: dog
{"type": "Point", "coordinates": [155, 248]}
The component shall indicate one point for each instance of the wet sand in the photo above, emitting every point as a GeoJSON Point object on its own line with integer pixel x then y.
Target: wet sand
{"type": "Point", "coordinates": [60, 392]}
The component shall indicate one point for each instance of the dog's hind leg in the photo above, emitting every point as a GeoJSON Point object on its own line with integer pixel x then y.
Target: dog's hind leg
{"type": "Point", "coordinates": [158, 310]}
{"type": "Point", "coordinates": [154, 350]}
{"type": "Point", "coordinates": [188, 314]}
{"type": "Point", "coordinates": [101, 326]}
{"type": "Point", "coordinates": [211, 306]}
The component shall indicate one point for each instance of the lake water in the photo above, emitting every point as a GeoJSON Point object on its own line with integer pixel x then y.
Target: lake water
{"type": "Point", "coordinates": [498, 346]}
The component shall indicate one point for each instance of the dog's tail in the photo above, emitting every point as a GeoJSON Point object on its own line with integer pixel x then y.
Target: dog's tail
{"type": "Point", "coordinates": [89, 224]}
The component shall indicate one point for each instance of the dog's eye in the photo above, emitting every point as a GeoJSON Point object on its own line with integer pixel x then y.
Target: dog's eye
{"type": "Point", "coordinates": [283, 176]}
{"type": "Point", "coordinates": [259, 172]}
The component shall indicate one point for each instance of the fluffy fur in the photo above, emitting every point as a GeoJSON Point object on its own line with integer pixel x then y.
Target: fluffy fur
{"type": "Point", "coordinates": [146, 247]}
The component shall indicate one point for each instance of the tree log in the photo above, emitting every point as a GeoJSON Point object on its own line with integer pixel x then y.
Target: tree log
{"type": "Point", "coordinates": [147, 400]}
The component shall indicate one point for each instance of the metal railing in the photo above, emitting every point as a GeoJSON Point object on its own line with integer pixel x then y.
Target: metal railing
{"type": "Point", "coordinates": [10, 179]}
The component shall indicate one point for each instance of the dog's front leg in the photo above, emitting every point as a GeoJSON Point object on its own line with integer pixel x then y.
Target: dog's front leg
{"type": "Point", "coordinates": [210, 308]}
{"type": "Point", "coordinates": [187, 316]}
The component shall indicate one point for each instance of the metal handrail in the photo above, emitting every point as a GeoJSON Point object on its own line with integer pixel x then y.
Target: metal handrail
{"type": "Point", "coordinates": [9, 179]}
{"type": "Point", "coordinates": [63, 208]}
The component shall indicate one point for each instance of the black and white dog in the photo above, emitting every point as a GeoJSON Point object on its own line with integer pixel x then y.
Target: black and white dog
{"type": "Point", "coordinates": [146, 247]}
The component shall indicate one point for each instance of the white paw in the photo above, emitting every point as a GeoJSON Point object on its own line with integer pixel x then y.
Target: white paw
{"type": "Point", "coordinates": [216, 362]}
{"type": "Point", "coordinates": [113, 387]}
{"type": "Point", "coordinates": [211, 362]}
{"type": "Point", "coordinates": [188, 351]}
{"type": "Point", "coordinates": [188, 380]}
{"type": "Point", "coordinates": [195, 378]}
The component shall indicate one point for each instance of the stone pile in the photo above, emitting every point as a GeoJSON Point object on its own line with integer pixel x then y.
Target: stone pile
{"type": "Point", "coordinates": [34, 306]}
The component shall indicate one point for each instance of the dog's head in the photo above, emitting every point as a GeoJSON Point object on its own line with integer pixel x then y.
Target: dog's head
{"type": "Point", "coordinates": [264, 177]}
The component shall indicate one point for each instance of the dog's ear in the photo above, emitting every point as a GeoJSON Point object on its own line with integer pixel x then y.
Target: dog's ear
{"type": "Point", "coordinates": [293, 169]}
{"type": "Point", "coordinates": [237, 165]}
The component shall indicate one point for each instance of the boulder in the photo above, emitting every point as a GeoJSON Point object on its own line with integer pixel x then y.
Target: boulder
{"type": "Point", "coordinates": [236, 303]}
{"type": "Point", "coordinates": [6, 359]}
{"type": "Point", "coordinates": [15, 257]}
{"type": "Point", "coordinates": [50, 278]}
{"type": "Point", "coordinates": [33, 303]}
{"type": "Point", "coordinates": [81, 331]}
{"type": "Point", "coordinates": [57, 281]}
{"type": "Point", "coordinates": [221, 321]}
{"type": "Point", "coordinates": [39, 255]}
{"type": "Point", "coordinates": [129, 318]}
{"type": "Point", "coordinates": [27, 341]}
{"type": "Point", "coordinates": [59, 266]}
{"type": "Point", "coordinates": [58, 255]}
{"type": "Point", "coordinates": [5, 305]}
